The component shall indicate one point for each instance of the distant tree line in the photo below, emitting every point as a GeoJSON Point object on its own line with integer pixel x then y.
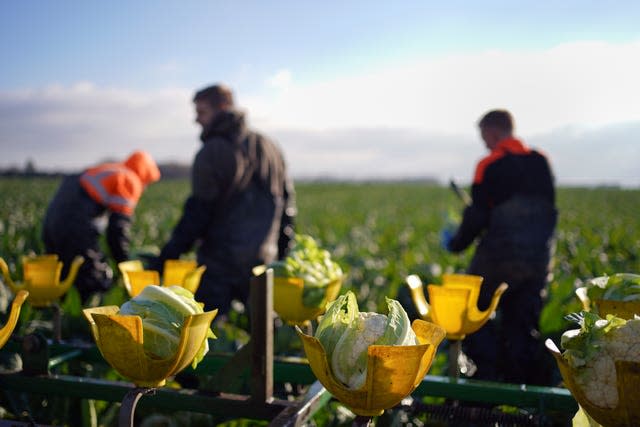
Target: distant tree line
{"type": "Point", "coordinates": [180, 171]}
{"type": "Point", "coordinates": [168, 171]}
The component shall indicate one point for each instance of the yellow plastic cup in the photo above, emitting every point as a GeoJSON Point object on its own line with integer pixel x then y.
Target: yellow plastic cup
{"type": "Point", "coordinates": [41, 278]}
{"type": "Point", "coordinates": [175, 271]}
{"type": "Point", "coordinates": [120, 340]}
{"type": "Point", "coordinates": [393, 372]}
{"type": "Point", "coordinates": [185, 273]}
{"type": "Point", "coordinates": [454, 304]}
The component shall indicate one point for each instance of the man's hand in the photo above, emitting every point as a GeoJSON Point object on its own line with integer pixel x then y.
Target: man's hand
{"type": "Point", "coordinates": [446, 234]}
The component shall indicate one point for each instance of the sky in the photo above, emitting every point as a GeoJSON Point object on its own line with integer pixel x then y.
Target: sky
{"type": "Point", "coordinates": [348, 89]}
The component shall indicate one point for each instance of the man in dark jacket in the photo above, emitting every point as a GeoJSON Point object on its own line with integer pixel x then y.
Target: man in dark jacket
{"type": "Point", "coordinates": [513, 214]}
{"type": "Point", "coordinates": [241, 208]}
{"type": "Point", "coordinates": [102, 196]}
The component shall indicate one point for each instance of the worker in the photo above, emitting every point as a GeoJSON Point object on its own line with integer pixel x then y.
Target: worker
{"type": "Point", "coordinates": [100, 200]}
{"type": "Point", "coordinates": [513, 216]}
{"type": "Point", "coordinates": [241, 209]}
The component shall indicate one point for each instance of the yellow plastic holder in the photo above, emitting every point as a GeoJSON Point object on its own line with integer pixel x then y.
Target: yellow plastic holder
{"type": "Point", "coordinates": [191, 280]}
{"type": "Point", "coordinates": [623, 309]}
{"type": "Point", "coordinates": [140, 279]}
{"type": "Point", "coordinates": [185, 273]}
{"type": "Point", "coordinates": [127, 266]}
{"type": "Point", "coordinates": [120, 340]}
{"type": "Point", "coordinates": [454, 304]}
{"type": "Point", "coordinates": [175, 271]}
{"type": "Point", "coordinates": [12, 321]}
{"type": "Point", "coordinates": [288, 302]}
{"type": "Point", "coordinates": [41, 278]}
{"type": "Point", "coordinates": [393, 372]}
{"type": "Point", "coordinates": [470, 280]}
{"type": "Point", "coordinates": [627, 413]}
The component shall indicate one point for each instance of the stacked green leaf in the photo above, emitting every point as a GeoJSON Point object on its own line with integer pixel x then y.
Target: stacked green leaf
{"type": "Point", "coordinates": [308, 261]}
{"type": "Point", "coordinates": [163, 311]}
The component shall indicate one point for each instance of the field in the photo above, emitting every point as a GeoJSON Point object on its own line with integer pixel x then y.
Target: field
{"type": "Point", "coordinates": [379, 233]}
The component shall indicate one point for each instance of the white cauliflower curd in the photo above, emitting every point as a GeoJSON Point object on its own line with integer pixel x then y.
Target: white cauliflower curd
{"type": "Point", "coordinates": [592, 350]}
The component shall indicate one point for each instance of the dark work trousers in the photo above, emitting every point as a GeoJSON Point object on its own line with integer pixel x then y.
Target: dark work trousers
{"type": "Point", "coordinates": [508, 346]}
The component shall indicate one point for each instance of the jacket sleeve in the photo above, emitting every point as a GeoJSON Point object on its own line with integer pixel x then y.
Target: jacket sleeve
{"type": "Point", "coordinates": [191, 227]}
{"type": "Point", "coordinates": [118, 236]}
{"type": "Point", "coordinates": [287, 222]}
{"type": "Point", "coordinates": [206, 182]}
{"type": "Point", "coordinates": [475, 219]}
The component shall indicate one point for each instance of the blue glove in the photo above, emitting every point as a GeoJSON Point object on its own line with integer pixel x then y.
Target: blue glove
{"type": "Point", "coordinates": [446, 235]}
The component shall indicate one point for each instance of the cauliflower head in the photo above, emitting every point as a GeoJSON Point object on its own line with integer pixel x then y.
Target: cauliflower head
{"type": "Point", "coordinates": [308, 261]}
{"type": "Point", "coordinates": [592, 350]}
{"type": "Point", "coordinates": [346, 334]}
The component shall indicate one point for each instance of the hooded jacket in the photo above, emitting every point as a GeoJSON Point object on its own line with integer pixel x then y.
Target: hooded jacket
{"type": "Point", "coordinates": [241, 209]}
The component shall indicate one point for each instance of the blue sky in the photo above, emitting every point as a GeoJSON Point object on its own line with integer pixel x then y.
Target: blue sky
{"type": "Point", "coordinates": [155, 43]}
{"type": "Point", "coordinates": [290, 62]}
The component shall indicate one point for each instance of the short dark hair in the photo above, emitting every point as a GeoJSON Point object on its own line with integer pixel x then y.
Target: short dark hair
{"type": "Point", "coordinates": [217, 95]}
{"type": "Point", "coordinates": [500, 119]}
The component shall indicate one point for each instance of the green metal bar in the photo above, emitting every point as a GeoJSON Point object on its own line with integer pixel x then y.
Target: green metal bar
{"type": "Point", "coordinates": [64, 357]}
{"type": "Point", "coordinates": [522, 395]}
{"type": "Point", "coordinates": [88, 351]}
{"type": "Point", "coordinates": [296, 370]}
{"type": "Point", "coordinates": [286, 369]}
{"type": "Point", "coordinates": [292, 369]}
{"type": "Point", "coordinates": [232, 405]}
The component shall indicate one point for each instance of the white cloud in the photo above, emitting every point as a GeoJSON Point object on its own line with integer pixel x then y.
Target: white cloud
{"type": "Point", "coordinates": [72, 127]}
{"type": "Point", "coordinates": [578, 102]}
{"type": "Point", "coordinates": [587, 83]}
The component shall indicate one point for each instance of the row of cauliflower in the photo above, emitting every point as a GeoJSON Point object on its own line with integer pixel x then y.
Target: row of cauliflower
{"type": "Point", "coordinates": [609, 330]}
{"type": "Point", "coordinates": [346, 333]}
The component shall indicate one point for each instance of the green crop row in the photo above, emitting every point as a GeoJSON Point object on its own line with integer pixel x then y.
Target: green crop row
{"type": "Point", "coordinates": [378, 233]}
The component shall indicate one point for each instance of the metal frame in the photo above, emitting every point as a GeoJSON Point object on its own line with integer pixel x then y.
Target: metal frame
{"type": "Point", "coordinates": [40, 356]}
{"type": "Point", "coordinates": [256, 355]}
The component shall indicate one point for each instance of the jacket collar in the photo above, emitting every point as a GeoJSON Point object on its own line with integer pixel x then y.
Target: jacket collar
{"type": "Point", "coordinates": [511, 145]}
{"type": "Point", "coordinates": [226, 124]}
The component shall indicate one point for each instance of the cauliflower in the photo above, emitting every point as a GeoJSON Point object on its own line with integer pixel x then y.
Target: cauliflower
{"type": "Point", "coordinates": [592, 350]}
{"type": "Point", "coordinates": [346, 334]}
{"type": "Point", "coordinates": [163, 311]}
{"type": "Point", "coordinates": [308, 261]}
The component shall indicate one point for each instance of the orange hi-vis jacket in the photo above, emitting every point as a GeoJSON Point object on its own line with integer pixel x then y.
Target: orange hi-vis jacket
{"type": "Point", "coordinates": [118, 186]}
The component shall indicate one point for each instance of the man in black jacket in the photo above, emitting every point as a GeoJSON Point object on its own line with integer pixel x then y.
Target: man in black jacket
{"type": "Point", "coordinates": [241, 209]}
{"type": "Point", "coordinates": [513, 214]}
